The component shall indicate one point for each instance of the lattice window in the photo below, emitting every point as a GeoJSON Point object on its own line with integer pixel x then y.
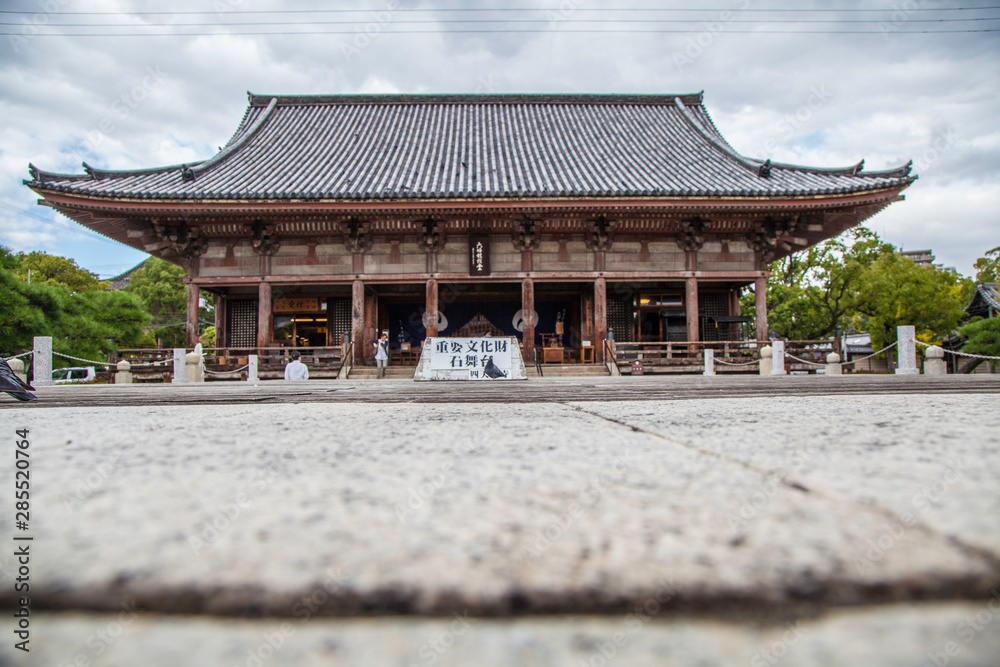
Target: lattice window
{"type": "Point", "coordinates": [620, 319]}
{"type": "Point", "coordinates": [714, 305]}
{"type": "Point", "coordinates": [241, 325]}
{"type": "Point", "coordinates": [339, 312]}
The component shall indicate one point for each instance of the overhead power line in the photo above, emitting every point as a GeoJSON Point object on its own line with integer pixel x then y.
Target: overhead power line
{"type": "Point", "coordinates": [502, 32]}
{"type": "Point", "coordinates": [870, 22]}
{"type": "Point", "coordinates": [844, 10]}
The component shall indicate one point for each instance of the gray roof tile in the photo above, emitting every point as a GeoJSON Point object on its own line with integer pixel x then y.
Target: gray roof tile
{"type": "Point", "coordinates": [374, 147]}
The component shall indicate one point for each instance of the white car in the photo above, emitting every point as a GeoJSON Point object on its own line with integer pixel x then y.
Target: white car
{"type": "Point", "coordinates": [75, 375]}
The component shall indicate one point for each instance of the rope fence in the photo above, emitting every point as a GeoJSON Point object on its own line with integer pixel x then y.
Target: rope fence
{"type": "Point", "coordinates": [18, 356]}
{"type": "Point", "coordinates": [960, 354]}
{"type": "Point", "coordinates": [733, 363]}
{"type": "Point", "coordinates": [803, 361]}
{"type": "Point", "coordinates": [235, 370]}
{"type": "Point", "coordinates": [873, 354]}
{"type": "Point", "coordinates": [88, 361]}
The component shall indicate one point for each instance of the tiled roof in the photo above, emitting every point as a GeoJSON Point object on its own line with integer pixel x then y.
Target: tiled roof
{"type": "Point", "coordinates": [373, 147]}
{"type": "Point", "coordinates": [985, 297]}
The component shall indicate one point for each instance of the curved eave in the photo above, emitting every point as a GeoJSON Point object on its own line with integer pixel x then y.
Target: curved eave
{"type": "Point", "coordinates": [133, 206]}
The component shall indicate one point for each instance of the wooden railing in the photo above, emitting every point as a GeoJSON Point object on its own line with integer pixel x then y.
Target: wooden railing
{"type": "Point", "coordinates": [730, 356]}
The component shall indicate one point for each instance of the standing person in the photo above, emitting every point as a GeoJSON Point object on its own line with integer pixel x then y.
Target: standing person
{"type": "Point", "coordinates": [382, 354]}
{"type": "Point", "coordinates": [295, 369]}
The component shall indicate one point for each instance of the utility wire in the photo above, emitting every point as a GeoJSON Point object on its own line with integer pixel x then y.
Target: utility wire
{"type": "Point", "coordinates": [502, 32]}
{"type": "Point", "coordinates": [504, 21]}
{"type": "Point", "coordinates": [845, 10]}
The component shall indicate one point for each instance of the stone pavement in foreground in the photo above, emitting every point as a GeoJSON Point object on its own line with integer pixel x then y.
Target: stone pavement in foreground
{"type": "Point", "coordinates": [628, 521]}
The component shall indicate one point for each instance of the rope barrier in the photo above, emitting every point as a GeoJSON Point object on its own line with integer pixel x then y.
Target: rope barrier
{"type": "Point", "coordinates": [88, 361]}
{"type": "Point", "coordinates": [17, 356]}
{"type": "Point", "coordinates": [732, 363]}
{"type": "Point", "coordinates": [811, 363]}
{"type": "Point", "coordinates": [960, 354]}
{"type": "Point", "coordinates": [873, 354]}
{"type": "Point", "coordinates": [235, 370]}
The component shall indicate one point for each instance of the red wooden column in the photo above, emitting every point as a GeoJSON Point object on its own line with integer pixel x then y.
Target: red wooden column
{"type": "Point", "coordinates": [358, 320]}
{"type": "Point", "coordinates": [191, 327]}
{"type": "Point", "coordinates": [264, 314]}
{"type": "Point", "coordinates": [431, 314]}
{"type": "Point", "coordinates": [220, 320]}
{"type": "Point", "coordinates": [600, 317]}
{"type": "Point", "coordinates": [692, 308]}
{"type": "Point", "coordinates": [760, 306]}
{"type": "Point", "coordinates": [528, 314]}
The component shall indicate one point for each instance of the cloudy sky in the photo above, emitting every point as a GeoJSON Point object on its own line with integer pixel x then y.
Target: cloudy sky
{"type": "Point", "coordinates": [888, 81]}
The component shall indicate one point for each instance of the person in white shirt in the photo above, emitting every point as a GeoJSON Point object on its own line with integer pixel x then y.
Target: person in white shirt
{"type": "Point", "coordinates": [295, 369]}
{"type": "Point", "coordinates": [382, 355]}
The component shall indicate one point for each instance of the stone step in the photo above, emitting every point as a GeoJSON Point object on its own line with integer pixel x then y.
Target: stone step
{"type": "Point", "coordinates": [574, 370]}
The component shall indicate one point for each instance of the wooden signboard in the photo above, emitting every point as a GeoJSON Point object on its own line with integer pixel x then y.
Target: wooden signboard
{"type": "Point", "coordinates": [479, 255]}
{"type": "Point", "coordinates": [296, 304]}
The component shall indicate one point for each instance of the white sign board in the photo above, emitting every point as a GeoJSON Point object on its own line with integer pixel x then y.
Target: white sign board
{"type": "Point", "coordinates": [483, 358]}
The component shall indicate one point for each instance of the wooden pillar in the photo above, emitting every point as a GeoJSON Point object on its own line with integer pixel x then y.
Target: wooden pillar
{"type": "Point", "coordinates": [358, 320]}
{"type": "Point", "coordinates": [734, 302]}
{"type": "Point", "coordinates": [528, 314]}
{"type": "Point", "coordinates": [220, 320]}
{"type": "Point", "coordinates": [193, 298]}
{"type": "Point", "coordinates": [600, 317]}
{"type": "Point", "coordinates": [691, 302]}
{"type": "Point", "coordinates": [264, 314]}
{"type": "Point", "coordinates": [431, 309]}
{"type": "Point", "coordinates": [760, 307]}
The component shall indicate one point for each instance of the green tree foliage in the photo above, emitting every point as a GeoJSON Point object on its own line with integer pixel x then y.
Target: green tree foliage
{"type": "Point", "coordinates": [161, 287]}
{"type": "Point", "coordinates": [894, 291]}
{"type": "Point", "coordinates": [982, 337]}
{"type": "Point", "coordinates": [811, 293]}
{"type": "Point", "coordinates": [988, 267]}
{"type": "Point", "coordinates": [88, 324]}
{"type": "Point", "coordinates": [57, 270]}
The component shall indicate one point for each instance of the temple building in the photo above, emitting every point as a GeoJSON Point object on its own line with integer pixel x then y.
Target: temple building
{"type": "Point", "coordinates": [571, 218]}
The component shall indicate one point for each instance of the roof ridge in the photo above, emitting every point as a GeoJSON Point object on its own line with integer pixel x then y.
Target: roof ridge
{"type": "Point", "coordinates": [190, 174]}
{"type": "Point", "coordinates": [693, 99]}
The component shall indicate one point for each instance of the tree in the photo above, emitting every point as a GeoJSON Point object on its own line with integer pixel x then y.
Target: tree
{"type": "Point", "coordinates": [894, 291]}
{"type": "Point", "coordinates": [46, 268]}
{"type": "Point", "coordinates": [982, 337]}
{"type": "Point", "coordinates": [161, 287]}
{"type": "Point", "coordinates": [812, 292]}
{"type": "Point", "coordinates": [988, 267]}
{"type": "Point", "coordinates": [89, 324]}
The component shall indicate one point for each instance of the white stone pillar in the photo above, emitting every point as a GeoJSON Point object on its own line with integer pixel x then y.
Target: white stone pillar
{"type": "Point", "coordinates": [124, 374]}
{"type": "Point", "coordinates": [709, 361]}
{"type": "Point", "coordinates": [41, 361]}
{"type": "Point", "coordinates": [193, 370]}
{"type": "Point", "coordinates": [765, 360]}
{"type": "Point", "coordinates": [180, 375]}
{"type": "Point", "coordinates": [778, 358]}
{"type": "Point", "coordinates": [833, 365]}
{"type": "Point", "coordinates": [252, 368]}
{"type": "Point", "coordinates": [17, 365]}
{"type": "Point", "coordinates": [906, 337]}
{"type": "Point", "coordinates": [934, 363]}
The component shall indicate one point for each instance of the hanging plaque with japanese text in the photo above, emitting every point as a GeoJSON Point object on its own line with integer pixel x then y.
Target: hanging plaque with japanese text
{"type": "Point", "coordinates": [479, 255]}
{"type": "Point", "coordinates": [484, 358]}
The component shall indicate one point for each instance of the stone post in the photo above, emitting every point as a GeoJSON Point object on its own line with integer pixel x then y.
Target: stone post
{"type": "Point", "coordinates": [252, 368]}
{"type": "Point", "coordinates": [906, 347]}
{"type": "Point", "coordinates": [709, 361]}
{"type": "Point", "coordinates": [193, 370]}
{"type": "Point", "coordinates": [41, 361]}
{"type": "Point", "coordinates": [765, 360]}
{"type": "Point", "coordinates": [124, 374]}
{"type": "Point", "coordinates": [934, 363]}
{"type": "Point", "coordinates": [179, 373]}
{"type": "Point", "coordinates": [833, 365]}
{"type": "Point", "coordinates": [778, 358]}
{"type": "Point", "coordinates": [17, 365]}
